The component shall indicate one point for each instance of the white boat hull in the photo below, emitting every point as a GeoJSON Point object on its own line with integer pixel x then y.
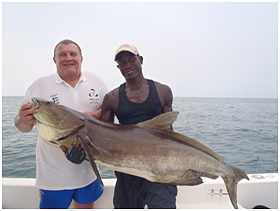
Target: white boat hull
{"type": "Point", "coordinates": [262, 189]}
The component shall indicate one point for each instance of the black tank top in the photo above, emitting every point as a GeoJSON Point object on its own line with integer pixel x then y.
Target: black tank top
{"type": "Point", "coordinates": [129, 113]}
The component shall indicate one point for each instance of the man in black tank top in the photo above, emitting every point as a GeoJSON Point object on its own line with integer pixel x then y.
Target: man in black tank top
{"type": "Point", "coordinates": [137, 100]}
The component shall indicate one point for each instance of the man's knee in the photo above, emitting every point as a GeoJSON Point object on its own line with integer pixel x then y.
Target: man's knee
{"type": "Point", "coordinates": [83, 206]}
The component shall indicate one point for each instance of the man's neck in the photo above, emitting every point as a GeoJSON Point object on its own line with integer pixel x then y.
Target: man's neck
{"type": "Point", "coordinates": [72, 81]}
{"type": "Point", "coordinates": [136, 83]}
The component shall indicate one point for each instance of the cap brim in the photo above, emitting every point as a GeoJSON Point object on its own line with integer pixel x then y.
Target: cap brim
{"type": "Point", "coordinates": [124, 50]}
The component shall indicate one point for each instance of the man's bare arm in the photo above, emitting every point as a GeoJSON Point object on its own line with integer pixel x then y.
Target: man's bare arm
{"type": "Point", "coordinates": [96, 114]}
{"type": "Point", "coordinates": [167, 106]}
{"type": "Point", "coordinates": [109, 106]}
{"type": "Point", "coordinates": [25, 120]}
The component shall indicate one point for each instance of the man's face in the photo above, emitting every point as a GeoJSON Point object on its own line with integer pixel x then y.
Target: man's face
{"type": "Point", "coordinates": [129, 64]}
{"type": "Point", "coordinates": [68, 61]}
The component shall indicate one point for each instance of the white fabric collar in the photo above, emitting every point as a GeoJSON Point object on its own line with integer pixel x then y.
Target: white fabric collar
{"type": "Point", "coordinates": [59, 80]}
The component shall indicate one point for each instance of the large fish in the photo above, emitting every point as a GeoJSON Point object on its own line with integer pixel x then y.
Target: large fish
{"type": "Point", "coordinates": [150, 149]}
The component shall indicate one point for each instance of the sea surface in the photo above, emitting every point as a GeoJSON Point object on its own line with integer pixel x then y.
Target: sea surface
{"type": "Point", "coordinates": [244, 132]}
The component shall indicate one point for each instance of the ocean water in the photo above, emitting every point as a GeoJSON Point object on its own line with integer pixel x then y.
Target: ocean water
{"type": "Point", "coordinates": [244, 132]}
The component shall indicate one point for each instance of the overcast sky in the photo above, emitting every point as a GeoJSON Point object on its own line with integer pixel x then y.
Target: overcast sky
{"type": "Point", "coordinates": [198, 49]}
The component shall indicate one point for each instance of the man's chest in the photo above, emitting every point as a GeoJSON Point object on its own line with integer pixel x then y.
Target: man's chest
{"type": "Point", "coordinates": [137, 95]}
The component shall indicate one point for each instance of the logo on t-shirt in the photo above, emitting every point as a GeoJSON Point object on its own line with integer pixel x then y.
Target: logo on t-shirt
{"type": "Point", "coordinates": [93, 96]}
{"type": "Point", "coordinates": [54, 98]}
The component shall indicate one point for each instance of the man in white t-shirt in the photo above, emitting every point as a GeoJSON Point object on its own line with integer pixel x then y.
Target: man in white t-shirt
{"type": "Point", "coordinates": [58, 179]}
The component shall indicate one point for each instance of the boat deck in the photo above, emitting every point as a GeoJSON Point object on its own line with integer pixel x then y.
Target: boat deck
{"type": "Point", "coordinates": [262, 189]}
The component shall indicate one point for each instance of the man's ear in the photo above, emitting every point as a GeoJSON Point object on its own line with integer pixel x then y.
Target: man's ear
{"type": "Point", "coordinates": [141, 59]}
{"type": "Point", "coordinates": [54, 60]}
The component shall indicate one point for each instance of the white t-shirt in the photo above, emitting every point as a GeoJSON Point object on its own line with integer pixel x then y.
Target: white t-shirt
{"type": "Point", "coordinates": [53, 170]}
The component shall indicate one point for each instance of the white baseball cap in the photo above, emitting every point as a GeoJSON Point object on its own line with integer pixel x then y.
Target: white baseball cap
{"type": "Point", "coordinates": [126, 47]}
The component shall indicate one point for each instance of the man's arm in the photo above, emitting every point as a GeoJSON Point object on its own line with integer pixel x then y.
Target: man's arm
{"type": "Point", "coordinates": [167, 106]}
{"type": "Point", "coordinates": [166, 97]}
{"type": "Point", "coordinates": [109, 106]}
{"type": "Point", "coordinates": [96, 114]}
{"type": "Point", "coordinates": [25, 120]}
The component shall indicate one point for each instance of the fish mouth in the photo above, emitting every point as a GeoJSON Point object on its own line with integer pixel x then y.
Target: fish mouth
{"type": "Point", "coordinates": [70, 134]}
{"type": "Point", "coordinates": [64, 137]}
{"type": "Point", "coordinates": [35, 103]}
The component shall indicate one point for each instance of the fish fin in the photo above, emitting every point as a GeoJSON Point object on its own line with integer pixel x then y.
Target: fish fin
{"type": "Point", "coordinates": [160, 122]}
{"type": "Point", "coordinates": [164, 121]}
{"type": "Point", "coordinates": [190, 179]}
{"type": "Point", "coordinates": [211, 176]}
{"type": "Point", "coordinates": [96, 171]}
{"type": "Point", "coordinates": [85, 141]}
{"type": "Point", "coordinates": [195, 144]}
{"type": "Point", "coordinates": [231, 181]}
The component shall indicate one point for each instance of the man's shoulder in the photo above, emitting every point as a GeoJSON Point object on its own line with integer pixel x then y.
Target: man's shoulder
{"type": "Point", "coordinates": [111, 100]}
{"type": "Point", "coordinates": [113, 93]}
{"type": "Point", "coordinates": [161, 86]}
{"type": "Point", "coordinates": [164, 91]}
{"type": "Point", "coordinates": [93, 77]}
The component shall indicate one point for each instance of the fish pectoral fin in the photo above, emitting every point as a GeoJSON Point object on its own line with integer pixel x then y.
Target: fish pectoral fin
{"type": "Point", "coordinates": [84, 140]}
{"type": "Point", "coordinates": [161, 122]}
{"type": "Point", "coordinates": [96, 171]}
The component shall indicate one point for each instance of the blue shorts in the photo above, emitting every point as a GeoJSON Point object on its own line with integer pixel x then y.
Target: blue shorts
{"type": "Point", "coordinates": [61, 199]}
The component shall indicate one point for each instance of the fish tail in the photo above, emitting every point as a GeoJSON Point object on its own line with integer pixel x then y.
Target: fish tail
{"type": "Point", "coordinates": [231, 181]}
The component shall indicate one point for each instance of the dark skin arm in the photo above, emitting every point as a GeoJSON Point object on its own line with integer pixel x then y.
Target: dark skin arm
{"type": "Point", "coordinates": [95, 114]}
{"type": "Point", "coordinates": [165, 96]}
{"type": "Point", "coordinates": [109, 106]}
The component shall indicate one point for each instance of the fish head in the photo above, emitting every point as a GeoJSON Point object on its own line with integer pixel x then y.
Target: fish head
{"type": "Point", "coordinates": [56, 122]}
